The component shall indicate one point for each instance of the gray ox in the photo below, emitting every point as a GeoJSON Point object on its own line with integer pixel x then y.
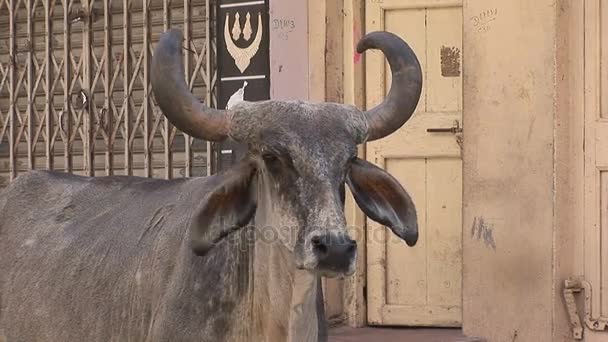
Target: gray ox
{"type": "Point", "coordinates": [134, 259]}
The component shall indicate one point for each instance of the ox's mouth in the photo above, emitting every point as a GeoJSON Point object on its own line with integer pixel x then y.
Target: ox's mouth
{"type": "Point", "coordinates": [335, 274]}
{"type": "Point", "coordinates": [339, 270]}
{"type": "Point", "coordinates": [329, 273]}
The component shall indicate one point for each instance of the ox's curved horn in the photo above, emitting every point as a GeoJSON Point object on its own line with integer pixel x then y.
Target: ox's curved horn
{"type": "Point", "coordinates": [406, 85]}
{"type": "Point", "coordinates": [175, 99]}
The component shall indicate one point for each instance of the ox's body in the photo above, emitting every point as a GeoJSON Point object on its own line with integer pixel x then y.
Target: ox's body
{"type": "Point", "coordinates": [134, 259]}
{"type": "Point", "coordinates": [108, 259]}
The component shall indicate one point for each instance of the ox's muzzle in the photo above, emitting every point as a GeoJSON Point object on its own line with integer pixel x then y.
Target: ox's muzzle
{"type": "Point", "coordinates": [331, 254]}
{"type": "Point", "coordinates": [334, 252]}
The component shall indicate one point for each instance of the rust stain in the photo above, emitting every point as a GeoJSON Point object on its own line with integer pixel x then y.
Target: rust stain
{"type": "Point", "coordinates": [356, 38]}
{"type": "Point", "coordinates": [450, 61]}
{"type": "Point", "coordinates": [356, 57]}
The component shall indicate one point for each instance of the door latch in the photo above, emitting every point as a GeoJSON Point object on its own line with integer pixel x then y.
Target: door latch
{"type": "Point", "coordinates": [454, 129]}
{"type": "Point", "coordinates": [579, 285]}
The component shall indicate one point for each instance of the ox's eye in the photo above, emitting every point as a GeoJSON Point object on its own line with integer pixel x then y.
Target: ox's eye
{"type": "Point", "coordinates": [271, 159]}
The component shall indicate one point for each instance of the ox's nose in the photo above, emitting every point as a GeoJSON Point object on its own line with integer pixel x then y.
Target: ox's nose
{"type": "Point", "coordinates": [334, 252]}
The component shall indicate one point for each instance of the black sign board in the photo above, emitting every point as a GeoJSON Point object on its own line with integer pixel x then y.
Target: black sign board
{"type": "Point", "coordinates": [243, 64]}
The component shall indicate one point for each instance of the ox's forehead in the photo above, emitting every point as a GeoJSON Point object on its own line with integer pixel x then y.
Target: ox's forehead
{"type": "Point", "coordinates": [297, 122]}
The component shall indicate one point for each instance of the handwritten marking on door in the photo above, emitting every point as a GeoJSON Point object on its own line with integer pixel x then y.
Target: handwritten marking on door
{"type": "Point", "coordinates": [284, 26]}
{"type": "Point", "coordinates": [482, 21]}
{"type": "Point", "coordinates": [482, 229]}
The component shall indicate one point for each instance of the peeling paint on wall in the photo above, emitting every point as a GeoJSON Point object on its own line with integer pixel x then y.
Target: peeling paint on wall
{"type": "Point", "coordinates": [450, 61]}
{"type": "Point", "coordinates": [356, 38]}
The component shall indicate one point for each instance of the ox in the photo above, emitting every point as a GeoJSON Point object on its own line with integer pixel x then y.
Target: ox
{"type": "Point", "coordinates": [125, 258]}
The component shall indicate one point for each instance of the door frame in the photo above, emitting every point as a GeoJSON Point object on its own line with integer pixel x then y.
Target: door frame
{"type": "Point", "coordinates": [355, 296]}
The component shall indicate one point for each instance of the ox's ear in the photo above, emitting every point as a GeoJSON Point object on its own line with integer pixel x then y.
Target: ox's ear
{"type": "Point", "coordinates": [228, 206]}
{"type": "Point", "coordinates": [383, 199]}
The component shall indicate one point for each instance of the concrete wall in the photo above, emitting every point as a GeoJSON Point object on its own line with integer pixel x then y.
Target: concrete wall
{"type": "Point", "coordinates": [509, 111]}
{"type": "Point", "coordinates": [524, 110]}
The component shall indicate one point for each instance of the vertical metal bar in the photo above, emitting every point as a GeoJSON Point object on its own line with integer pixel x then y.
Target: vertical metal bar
{"type": "Point", "coordinates": [30, 85]}
{"type": "Point", "coordinates": [168, 128]}
{"type": "Point", "coordinates": [12, 88]}
{"type": "Point", "coordinates": [67, 77]}
{"type": "Point", "coordinates": [148, 137]}
{"type": "Point", "coordinates": [107, 49]}
{"type": "Point", "coordinates": [87, 115]}
{"type": "Point", "coordinates": [48, 26]}
{"type": "Point", "coordinates": [126, 81]}
{"type": "Point", "coordinates": [187, 32]}
{"type": "Point", "coordinates": [208, 86]}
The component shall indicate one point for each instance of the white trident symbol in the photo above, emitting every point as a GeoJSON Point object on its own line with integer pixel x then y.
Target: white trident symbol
{"type": "Point", "coordinates": [242, 56]}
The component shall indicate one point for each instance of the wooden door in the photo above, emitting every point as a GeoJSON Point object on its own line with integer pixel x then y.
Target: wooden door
{"type": "Point", "coordinates": [420, 286]}
{"type": "Point", "coordinates": [596, 161]}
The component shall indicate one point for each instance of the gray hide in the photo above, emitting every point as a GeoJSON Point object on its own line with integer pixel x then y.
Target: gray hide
{"type": "Point", "coordinates": [107, 259]}
{"type": "Point", "coordinates": [135, 259]}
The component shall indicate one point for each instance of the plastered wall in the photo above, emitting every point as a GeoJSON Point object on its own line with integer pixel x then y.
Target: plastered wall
{"type": "Point", "coordinates": [509, 111]}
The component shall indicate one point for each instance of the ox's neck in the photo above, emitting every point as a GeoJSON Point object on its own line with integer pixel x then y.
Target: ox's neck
{"type": "Point", "coordinates": [284, 299]}
{"type": "Point", "coordinates": [288, 302]}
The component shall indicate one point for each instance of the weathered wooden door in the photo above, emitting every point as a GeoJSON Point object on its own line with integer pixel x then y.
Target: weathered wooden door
{"type": "Point", "coordinates": [596, 166]}
{"type": "Point", "coordinates": [420, 286]}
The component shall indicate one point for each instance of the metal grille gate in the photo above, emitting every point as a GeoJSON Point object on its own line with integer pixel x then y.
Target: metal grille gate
{"type": "Point", "coordinates": [75, 90]}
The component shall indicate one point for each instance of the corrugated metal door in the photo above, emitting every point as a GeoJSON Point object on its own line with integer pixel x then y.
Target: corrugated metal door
{"type": "Point", "coordinates": [75, 90]}
{"type": "Point", "coordinates": [420, 286]}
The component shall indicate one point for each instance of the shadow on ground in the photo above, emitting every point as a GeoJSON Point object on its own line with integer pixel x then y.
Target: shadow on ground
{"type": "Point", "coordinates": [345, 334]}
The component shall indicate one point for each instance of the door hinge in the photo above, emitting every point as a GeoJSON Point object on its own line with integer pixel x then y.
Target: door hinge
{"type": "Point", "coordinates": [577, 285]}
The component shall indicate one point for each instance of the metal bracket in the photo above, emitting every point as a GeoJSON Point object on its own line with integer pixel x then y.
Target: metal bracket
{"type": "Point", "coordinates": [576, 285]}
{"type": "Point", "coordinates": [575, 322]}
